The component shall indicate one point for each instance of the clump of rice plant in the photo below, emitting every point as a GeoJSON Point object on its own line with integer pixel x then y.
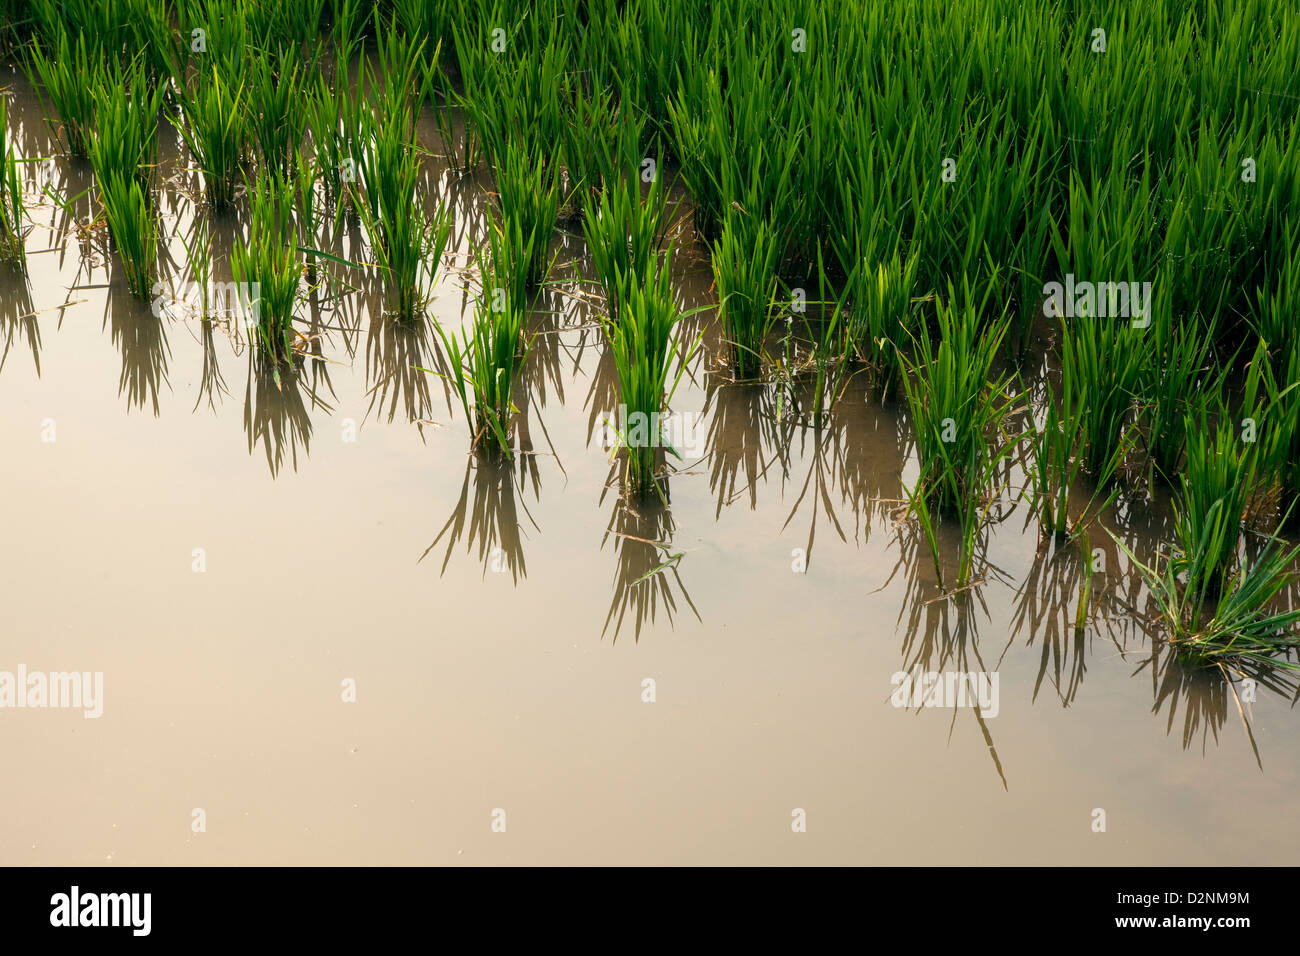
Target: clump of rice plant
{"type": "Point", "coordinates": [483, 368]}
{"type": "Point", "coordinates": [959, 408]}
{"type": "Point", "coordinates": [623, 233]}
{"type": "Point", "coordinates": [955, 399]}
{"type": "Point", "coordinates": [267, 267]}
{"type": "Point", "coordinates": [883, 313]}
{"type": "Point", "coordinates": [745, 260]}
{"type": "Point", "coordinates": [406, 242]}
{"type": "Point", "coordinates": [275, 115]}
{"type": "Point", "coordinates": [1056, 466]}
{"type": "Point", "coordinates": [214, 126]}
{"type": "Point", "coordinates": [1181, 372]}
{"type": "Point", "coordinates": [125, 140]}
{"type": "Point", "coordinates": [642, 343]}
{"type": "Point", "coordinates": [1244, 624]}
{"type": "Point", "coordinates": [64, 79]}
{"type": "Point", "coordinates": [12, 210]}
{"type": "Point", "coordinates": [1103, 361]}
{"type": "Point", "coordinates": [530, 204]}
{"type": "Point", "coordinates": [133, 227]}
{"type": "Point", "coordinates": [1217, 484]}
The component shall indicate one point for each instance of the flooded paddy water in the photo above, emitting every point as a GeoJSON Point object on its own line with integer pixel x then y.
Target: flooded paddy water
{"type": "Point", "coordinates": [628, 682]}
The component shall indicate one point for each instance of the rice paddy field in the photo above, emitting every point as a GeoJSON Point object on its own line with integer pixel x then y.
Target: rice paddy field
{"type": "Point", "coordinates": [659, 431]}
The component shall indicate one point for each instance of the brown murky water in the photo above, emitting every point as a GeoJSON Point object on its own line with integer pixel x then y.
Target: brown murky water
{"type": "Point", "coordinates": [498, 624]}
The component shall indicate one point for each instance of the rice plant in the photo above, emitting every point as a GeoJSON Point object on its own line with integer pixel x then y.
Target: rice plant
{"type": "Point", "coordinates": [530, 204]}
{"type": "Point", "coordinates": [267, 268]}
{"type": "Point", "coordinates": [623, 233]}
{"type": "Point", "coordinates": [407, 243]}
{"type": "Point", "coordinates": [745, 259]}
{"type": "Point", "coordinates": [125, 140]}
{"type": "Point", "coordinates": [13, 247]}
{"type": "Point", "coordinates": [1216, 484]}
{"type": "Point", "coordinates": [133, 226]}
{"type": "Point", "coordinates": [213, 123]}
{"type": "Point", "coordinates": [1244, 625]}
{"type": "Point", "coordinates": [883, 312]}
{"type": "Point", "coordinates": [957, 402]}
{"type": "Point", "coordinates": [65, 79]}
{"type": "Point", "coordinates": [483, 367]}
{"type": "Point", "coordinates": [273, 108]}
{"type": "Point", "coordinates": [642, 342]}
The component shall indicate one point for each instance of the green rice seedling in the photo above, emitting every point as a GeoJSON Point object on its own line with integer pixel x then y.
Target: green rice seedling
{"type": "Point", "coordinates": [883, 313]}
{"type": "Point", "coordinates": [483, 368]}
{"type": "Point", "coordinates": [602, 144]}
{"type": "Point", "coordinates": [513, 96]}
{"type": "Point", "coordinates": [275, 116]}
{"type": "Point", "coordinates": [64, 79]}
{"type": "Point", "coordinates": [266, 267]}
{"type": "Point", "coordinates": [1103, 362]}
{"type": "Point", "coordinates": [1217, 484]}
{"type": "Point", "coordinates": [530, 205]}
{"type": "Point", "coordinates": [956, 400]}
{"type": "Point", "coordinates": [133, 227]}
{"type": "Point", "coordinates": [13, 247]}
{"type": "Point", "coordinates": [745, 259]}
{"type": "Point", "coordinates": [332, 149]}
{"type": "Point", "coordinates": [304, 205]}
{"type": "Point", "coordinates": [217, 34]}
{"type": "Point", "coordinates": [403, 237]}
{"type": "Point", "coordinates": [1056, 465]}
{"type": "Point", "coordinates": [292, 23]}
{"type": "Point", "coordinates": [213, 123]}
{"type": "Point", "coordinates": [126, 126]}
{"type": "Point", "coordinates": [1181, 373]}
{"type": "Point", "coordinates": [1244, 625]}
{"type": "Point", "coordinates": [1277, 302]}
{"type": "Point", "coordinates": [623, 233]}
{"type": "Point", "coordinates": [642, 343]}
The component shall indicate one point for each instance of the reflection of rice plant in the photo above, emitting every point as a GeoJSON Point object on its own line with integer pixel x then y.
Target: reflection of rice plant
{"type": "Point", "coordinates": [267, 267]}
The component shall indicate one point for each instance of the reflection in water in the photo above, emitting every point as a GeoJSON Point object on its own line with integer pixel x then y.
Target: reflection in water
{"type": "Point", "coordinates": [275, 412]}
{"type": "Point", "coordinates": [18, 322]}
{"type": "Point", "coordinates": [942, 636]}
{"type": "Point", "coordinates": [646, 569]}
{"type": "Point", "coordinates": [1047, 607]}
{"type": "Point", "coordinates": [141, 337]}
{"type": "Point", "coordinates": [395, 354]}
{"type": "Point", "coordinates": [212, 383]}
{"type": "Point", "coordinates": [493, 518]}
{"type": "Point", "coordinates": [739, 428]}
